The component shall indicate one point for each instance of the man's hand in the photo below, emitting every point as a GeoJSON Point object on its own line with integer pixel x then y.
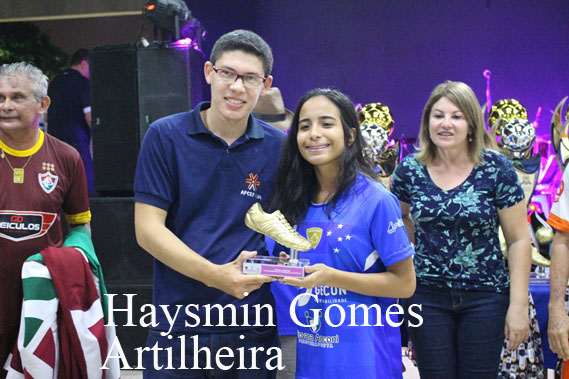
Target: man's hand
{"type": "Point", "coordinates": [153, 236]}
{"type": "Point", "coordinates": [558, 331]}
{"type": "Point", "coordinates": [230, 279]}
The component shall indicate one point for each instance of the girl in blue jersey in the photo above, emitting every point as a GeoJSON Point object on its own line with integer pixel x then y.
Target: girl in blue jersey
{"type": "Point", "coordinates": [361, 258]}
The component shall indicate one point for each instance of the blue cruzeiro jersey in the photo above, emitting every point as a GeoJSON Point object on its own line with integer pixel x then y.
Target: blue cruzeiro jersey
{"type": "Point", "coordinates": [364, 234]}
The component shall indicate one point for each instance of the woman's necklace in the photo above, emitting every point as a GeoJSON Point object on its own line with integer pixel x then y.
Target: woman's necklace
{"type": "Point", "coordinates": [18, 176]}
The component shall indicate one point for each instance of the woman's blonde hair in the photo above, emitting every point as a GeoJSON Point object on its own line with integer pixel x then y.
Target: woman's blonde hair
{"type": "Point", "coordinates": [461, 95]}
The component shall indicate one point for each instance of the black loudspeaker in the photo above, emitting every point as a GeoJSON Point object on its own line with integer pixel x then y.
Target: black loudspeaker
{"type": "Point", "coordinates": [131, 87]}
{"type": "Point", "coordinates": [127, 268]}
{"type": "Point", "coordinates": [112, 228]}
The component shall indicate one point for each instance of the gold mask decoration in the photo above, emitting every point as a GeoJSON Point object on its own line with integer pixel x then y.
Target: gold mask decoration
{"type": "Point", "coordinates": [379, 114]}
{"type": "Point", "coordinates": [504, 111]}
{"type": "Point", "coordinates": [376, 125]}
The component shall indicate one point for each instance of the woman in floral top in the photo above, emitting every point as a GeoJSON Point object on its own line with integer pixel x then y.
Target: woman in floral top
{"type": "Point", "coordinates": [454, 193]}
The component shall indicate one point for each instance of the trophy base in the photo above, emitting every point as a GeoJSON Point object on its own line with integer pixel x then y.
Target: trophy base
{"type": "Point", "coordinates": [276, 267]}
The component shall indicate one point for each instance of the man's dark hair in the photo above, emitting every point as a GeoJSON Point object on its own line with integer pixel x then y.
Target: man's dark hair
{"type": "Point", "coordinates": [79, 56]}
{"type": "Point", "coordinates": [246, 41]}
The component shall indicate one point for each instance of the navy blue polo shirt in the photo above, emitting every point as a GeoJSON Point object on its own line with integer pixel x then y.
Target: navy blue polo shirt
{"type": "Point", "coordinates": [206, 187]}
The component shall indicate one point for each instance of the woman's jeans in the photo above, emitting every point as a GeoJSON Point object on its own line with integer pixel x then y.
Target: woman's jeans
{"type": "Point", "coordinates": [462, 332]}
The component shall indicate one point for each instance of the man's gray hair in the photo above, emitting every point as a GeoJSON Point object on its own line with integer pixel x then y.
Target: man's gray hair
{"type": "Point", "coordinates": [37, 79]}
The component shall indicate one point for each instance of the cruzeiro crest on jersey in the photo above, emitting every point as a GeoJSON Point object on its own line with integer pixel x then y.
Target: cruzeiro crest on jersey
{"type": "Point", "coordinates": [314, 235]}
{"type": "Point", "coordinates": [24, 225]}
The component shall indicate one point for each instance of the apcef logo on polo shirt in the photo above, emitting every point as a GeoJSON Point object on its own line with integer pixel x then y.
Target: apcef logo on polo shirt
{"type": "Point", "coordinates": [253, 181]}
{"type": "Point", "coordinates": [253, 184]}
{"type": "Point", "coordinates": [20, 226]}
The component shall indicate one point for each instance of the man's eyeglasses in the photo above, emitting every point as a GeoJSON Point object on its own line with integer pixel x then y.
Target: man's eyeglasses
{"type": "Point", "coordinates": [230, 76]}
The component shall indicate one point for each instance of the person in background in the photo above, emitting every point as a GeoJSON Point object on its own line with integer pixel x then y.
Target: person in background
{"type": "Point", "coordinates": [40, 177]}
{"type": "Point", "coordinates": [270, 108]}
{"type": "Point", "coordinates": [454, 193]}
{"type": "Point", "coordinates": [361, 255]}
{"type": "Point", "coordinates": [558, 325]}
{"type": "Point", "coordinates": [69, 116]}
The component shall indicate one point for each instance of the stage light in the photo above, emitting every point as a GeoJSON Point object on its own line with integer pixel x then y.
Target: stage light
{"type": "Point", "coordinates": [169, 15]}
{"type": "Point", "coordinates": [532, 207]}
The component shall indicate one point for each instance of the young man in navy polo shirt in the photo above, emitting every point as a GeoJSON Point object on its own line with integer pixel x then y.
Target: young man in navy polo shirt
{"type": "Point", "coordinates": [198, 173]}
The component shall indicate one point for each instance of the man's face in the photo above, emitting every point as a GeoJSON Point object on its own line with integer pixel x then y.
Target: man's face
{"type": "Point", "coordinates": [86, 72]}
{"type": "Point", "coordinates": [234, 101]}
{"type": "Point", "coordinates": [19, 109]}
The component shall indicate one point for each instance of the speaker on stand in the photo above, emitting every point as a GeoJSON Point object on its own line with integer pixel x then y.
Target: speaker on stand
{"type": "Point", "coordinates": [132, 86]}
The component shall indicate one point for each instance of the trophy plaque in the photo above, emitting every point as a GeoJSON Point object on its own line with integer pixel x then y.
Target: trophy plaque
{"type": "Point", "coordinates": [274, 266]}
{"type": "Point", "coordinates": [275, 226]}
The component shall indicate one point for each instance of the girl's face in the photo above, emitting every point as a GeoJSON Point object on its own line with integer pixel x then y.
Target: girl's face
{"type": "Point", "coordinates": [320, 135]}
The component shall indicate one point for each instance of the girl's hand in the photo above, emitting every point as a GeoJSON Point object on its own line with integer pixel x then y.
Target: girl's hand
{"type": "Point", "coordinates": [283, 257]}
{"type": "Point", "coordinates": [517, 326]}
{"type": "Point", "coordinates": [319, 275]}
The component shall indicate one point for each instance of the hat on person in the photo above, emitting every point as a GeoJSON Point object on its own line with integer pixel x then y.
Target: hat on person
{"type": "Point", "coordinates": [270, 108]}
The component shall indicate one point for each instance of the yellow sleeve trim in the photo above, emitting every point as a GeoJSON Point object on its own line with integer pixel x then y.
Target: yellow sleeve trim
{"type": "Point", "coordinates": [558, 223]}
{"type": "Point", "coordinates": [79, 218]}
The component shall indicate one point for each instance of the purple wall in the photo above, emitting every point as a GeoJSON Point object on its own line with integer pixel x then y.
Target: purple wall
{"type": "Point", "coordinates": [395, 52]}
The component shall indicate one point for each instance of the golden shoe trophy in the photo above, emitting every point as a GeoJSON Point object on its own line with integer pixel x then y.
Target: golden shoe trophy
{"type": "Point", "coordinates": [275, 226]}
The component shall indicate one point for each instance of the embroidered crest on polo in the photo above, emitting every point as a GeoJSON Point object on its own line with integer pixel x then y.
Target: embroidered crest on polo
{"type": "Point", "coordinates": [253, 183]}
{"type": "Point", "coordinates": [48, 181]}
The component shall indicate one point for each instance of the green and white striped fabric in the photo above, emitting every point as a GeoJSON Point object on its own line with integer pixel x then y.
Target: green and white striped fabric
{"type": "Point", "coordinates": [39, 346]}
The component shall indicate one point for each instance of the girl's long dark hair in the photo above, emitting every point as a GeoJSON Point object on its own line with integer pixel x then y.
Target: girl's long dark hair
{"type": "Point", "coordinates": [296, 177]}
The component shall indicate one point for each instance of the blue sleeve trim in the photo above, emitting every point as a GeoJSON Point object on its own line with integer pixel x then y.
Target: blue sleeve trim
{"type": "Point", "coordinates": [152, 200]}
{"type": "Point", "coordinates": [399, 256]}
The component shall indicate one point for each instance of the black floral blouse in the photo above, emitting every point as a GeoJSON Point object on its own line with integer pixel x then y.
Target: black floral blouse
{"type": "Point", "coordinates": [456, 231]}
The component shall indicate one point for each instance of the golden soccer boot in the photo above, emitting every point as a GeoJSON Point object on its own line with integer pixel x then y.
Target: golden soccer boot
{"type": "Point", "coordinates": [276, 226]}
